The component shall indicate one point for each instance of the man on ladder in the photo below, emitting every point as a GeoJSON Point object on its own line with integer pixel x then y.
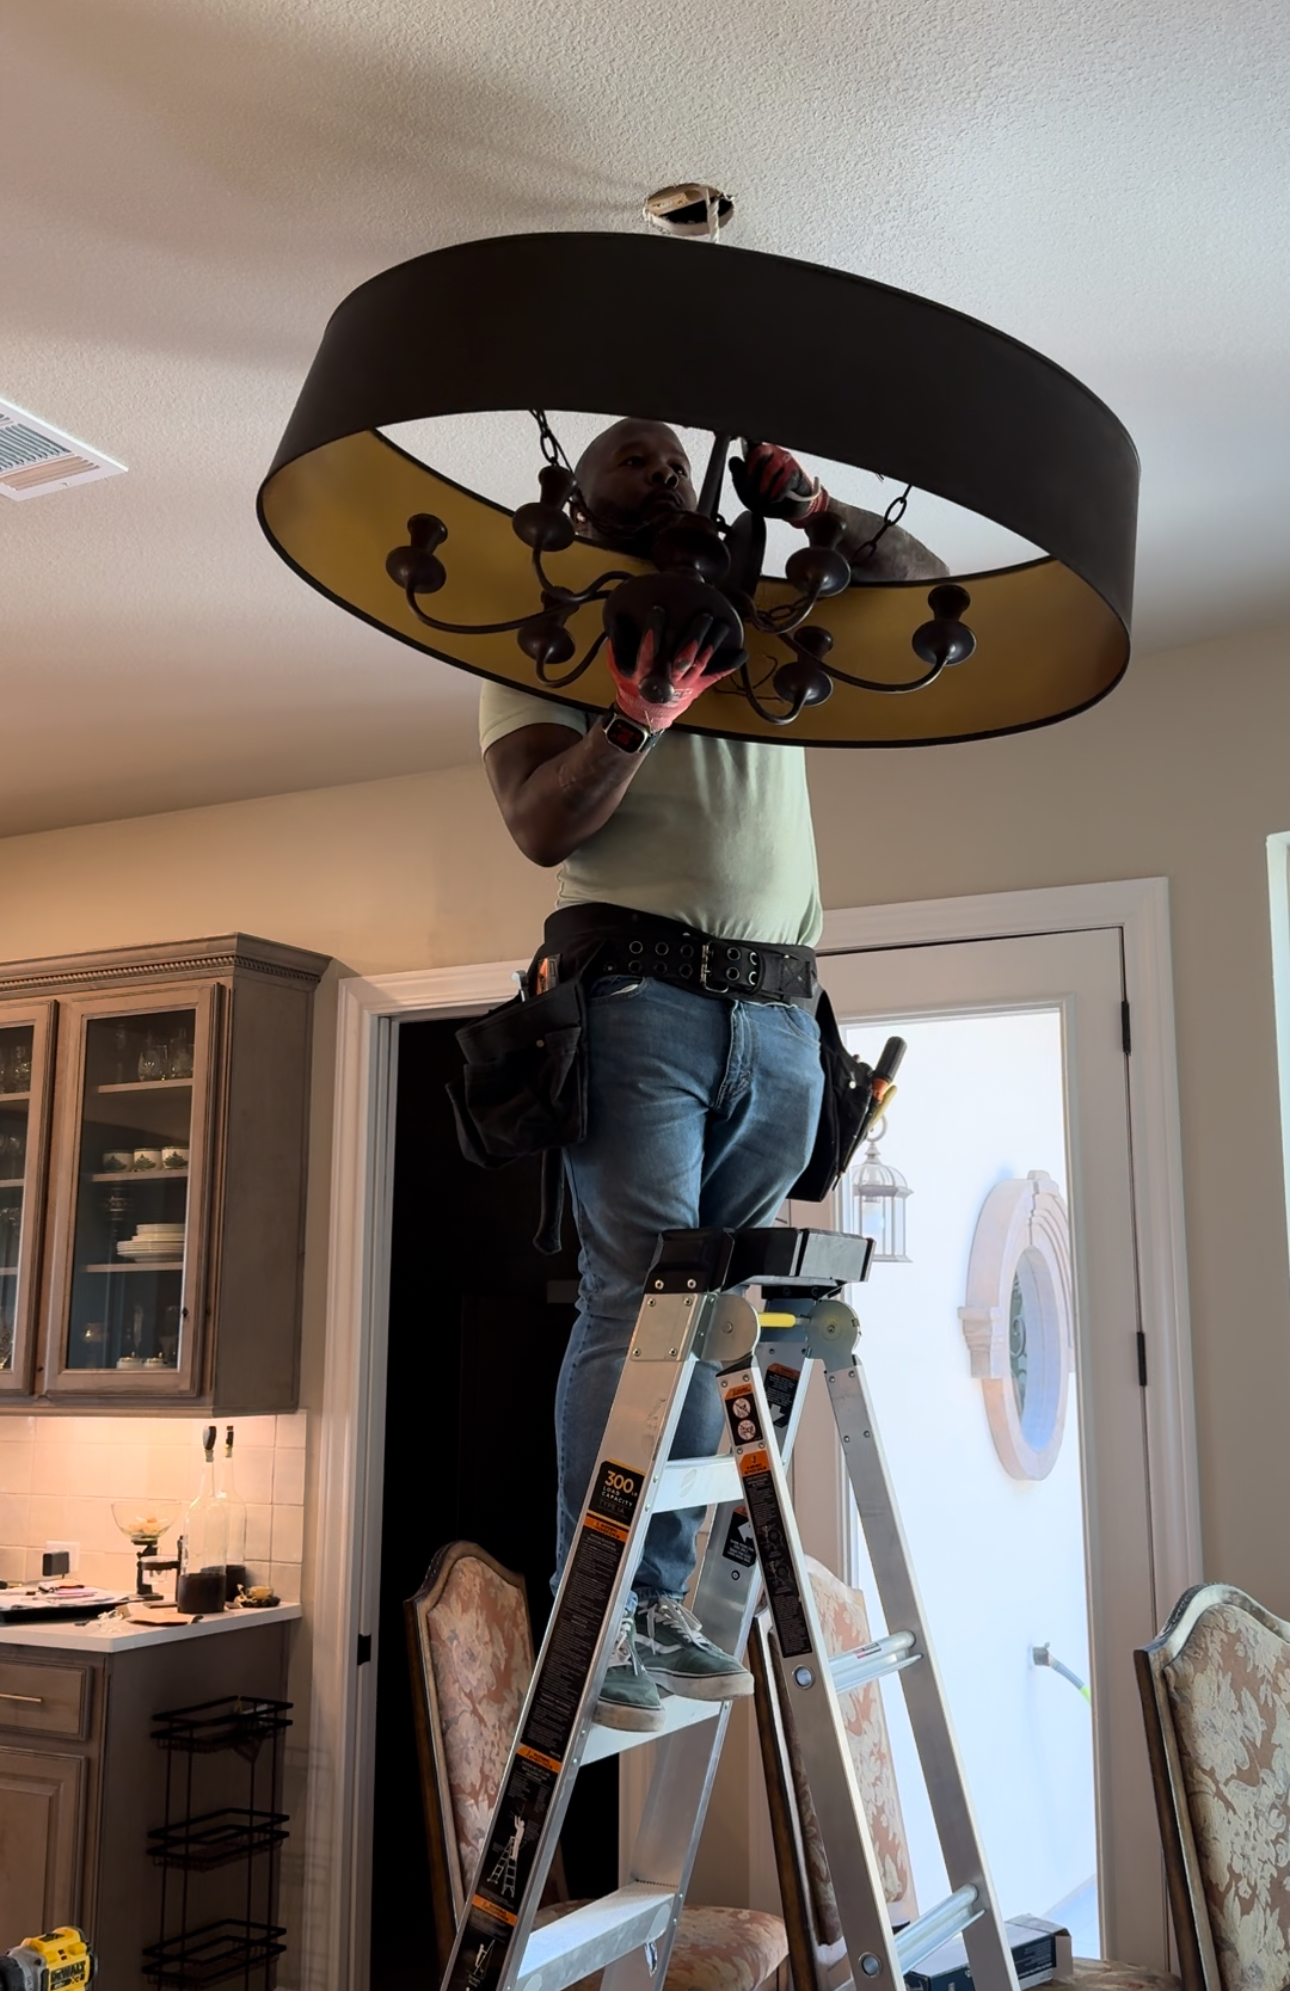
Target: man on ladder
{"type": "Point", "coordinates": [688, 903]}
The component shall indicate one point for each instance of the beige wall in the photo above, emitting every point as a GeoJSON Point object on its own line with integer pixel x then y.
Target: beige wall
{"type": "Point", "coordinates": [1182, 772]}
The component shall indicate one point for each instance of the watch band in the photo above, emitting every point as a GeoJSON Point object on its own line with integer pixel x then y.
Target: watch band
{"type": "Point", "coordinates": [626, 733]}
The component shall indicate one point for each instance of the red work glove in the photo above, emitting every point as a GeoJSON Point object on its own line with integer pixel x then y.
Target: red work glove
{"type": "Point", "coordinates": [688, 679]}
{"type": "Point", "coordinates": [773, 484]}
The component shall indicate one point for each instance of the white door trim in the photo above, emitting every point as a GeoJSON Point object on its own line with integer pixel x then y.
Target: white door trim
{"type": "Point", "coordinates": [346, 1532]}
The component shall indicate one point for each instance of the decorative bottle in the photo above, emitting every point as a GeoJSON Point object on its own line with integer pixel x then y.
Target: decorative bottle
{"type": "Point", "coordinates": [203, 1563]}
{"type": "Point", "coordinates": [237, 1577]}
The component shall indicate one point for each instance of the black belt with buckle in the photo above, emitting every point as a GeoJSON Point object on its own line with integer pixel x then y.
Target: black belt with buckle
{"type": "Point", "coordinates": [600, 940]}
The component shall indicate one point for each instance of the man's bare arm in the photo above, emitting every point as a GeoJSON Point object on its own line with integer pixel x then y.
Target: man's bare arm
{"type": "Point", "coordinates": [898, 556]}
{"type": "Point", "coordinates": [555, 790]}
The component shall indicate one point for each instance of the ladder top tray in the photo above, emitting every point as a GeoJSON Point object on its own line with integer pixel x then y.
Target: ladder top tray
{"type": "Point", "coordinates": [777, 1255]}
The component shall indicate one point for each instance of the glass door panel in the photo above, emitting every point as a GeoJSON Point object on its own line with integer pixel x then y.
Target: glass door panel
{"type": "Point", "coordinates": [129, 1239]}
{"type": "Point", "coordinates": [23, 1118]}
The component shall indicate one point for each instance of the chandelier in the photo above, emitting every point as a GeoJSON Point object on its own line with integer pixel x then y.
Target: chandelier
{"type": "Point", "coordinates": [872, 377]}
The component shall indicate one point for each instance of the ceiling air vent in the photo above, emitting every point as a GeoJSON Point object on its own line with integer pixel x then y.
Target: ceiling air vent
{"type": "Point", "coordinates": [35, 458]}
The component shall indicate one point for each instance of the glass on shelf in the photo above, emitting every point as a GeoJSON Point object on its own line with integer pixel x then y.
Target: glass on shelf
{"type": "Point", "coordinates": [130, 1241]}
{"type": "Point", "coordinates": [16, 1059]}
{"type": "Point", "coordinates": [15, 1107]}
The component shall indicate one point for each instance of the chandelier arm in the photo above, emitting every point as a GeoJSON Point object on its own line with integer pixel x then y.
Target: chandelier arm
{"type": "Point", "coordinates": [556, 683]}
{"type": "Point", "coordinates": [463, 628]}
{"type": "Point", "coordinates": [771, 718]}
{"type": "Point", "coordinates": [871, 684]}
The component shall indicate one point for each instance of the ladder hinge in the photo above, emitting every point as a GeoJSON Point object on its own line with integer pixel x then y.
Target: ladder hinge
{"type": "Point", "coordinates": [364, 1648]}
{"type": "Point", "coordinates": [1126, 1034]}
{"type": "Point", "coordinates": [1142, 1359]}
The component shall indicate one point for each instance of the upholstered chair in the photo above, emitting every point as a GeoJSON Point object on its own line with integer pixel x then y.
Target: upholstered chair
{"type": "Point", "coordinates": [471, 1652]}
{"type": "Point", "coordinates": [1215, 1692]}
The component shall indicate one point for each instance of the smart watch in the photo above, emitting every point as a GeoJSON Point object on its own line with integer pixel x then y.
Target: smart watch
{"type": "Point", "coordinates": [628, 735]}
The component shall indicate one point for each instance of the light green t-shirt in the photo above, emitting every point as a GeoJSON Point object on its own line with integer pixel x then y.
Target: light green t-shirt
{"type": "Point", "coordinates": [713, 832]}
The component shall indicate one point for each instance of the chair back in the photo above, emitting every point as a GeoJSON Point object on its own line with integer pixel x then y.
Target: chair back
{"type": "Point", "coordinates": [1215, 1690]}
{"type": "Point", "coordinates": [470, 1647]}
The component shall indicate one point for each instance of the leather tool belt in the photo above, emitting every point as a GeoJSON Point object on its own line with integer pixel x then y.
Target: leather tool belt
{"type": "Point", "coordinates": [586, 942]}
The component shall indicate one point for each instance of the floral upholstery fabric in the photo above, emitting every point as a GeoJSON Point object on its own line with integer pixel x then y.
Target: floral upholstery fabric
{"type": "Point", "coordinates": [482, 1652]}
{"type": "Point", "coordinates": [1229, 1689]}
{"type": "Point", "coordinates": [1095, 1974]}
{"type": "Point", "coordinates": [716, 1949]}
{"type": "Point", "coordinates": [844, 1623]}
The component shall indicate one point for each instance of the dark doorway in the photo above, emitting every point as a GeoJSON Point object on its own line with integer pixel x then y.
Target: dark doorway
{"type": "Point", "coordinates": [478, 1325]}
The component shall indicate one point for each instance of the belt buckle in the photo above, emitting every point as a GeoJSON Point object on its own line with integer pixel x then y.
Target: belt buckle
{"type": "Point", "coordinates": [747, 978]}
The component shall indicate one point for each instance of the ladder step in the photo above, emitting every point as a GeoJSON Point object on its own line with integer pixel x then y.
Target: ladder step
{"type": "Point", "coordinates": [677, 1713]}
{"type": "Point", "coordinates": [697, 1483]}
{"type": "Point", "coordinates": [594, 1936]}
{"type": "Point", "coordinates": [918, 1939]}
{"type": "Point", "coordinates": [870, 1662]}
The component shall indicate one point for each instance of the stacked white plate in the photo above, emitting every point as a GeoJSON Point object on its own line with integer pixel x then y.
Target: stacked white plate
{"type": "Point", "coordinates": [153, 1241]}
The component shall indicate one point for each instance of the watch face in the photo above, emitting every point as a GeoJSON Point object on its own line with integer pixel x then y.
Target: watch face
{"type": "Point", "coordinates": [625, 734]}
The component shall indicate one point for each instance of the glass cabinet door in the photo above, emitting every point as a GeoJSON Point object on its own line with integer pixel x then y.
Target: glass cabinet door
{"type": "Point", "coordinates": [129, 1237]}
{"type": "Point", "coordinates": [24, 1085]}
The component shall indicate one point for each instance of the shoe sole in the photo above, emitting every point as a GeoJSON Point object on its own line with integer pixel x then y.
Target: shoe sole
{"type": "Point", "coordinates": [702, 1686]}
{"type": "Point", "coordinates": [639, 1721]}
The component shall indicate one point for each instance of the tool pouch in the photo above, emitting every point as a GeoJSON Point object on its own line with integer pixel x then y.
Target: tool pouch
{"type": "Point", "coordinates": [524, 1090]}
{"type": "Point", "coordinates": [846, 1109]}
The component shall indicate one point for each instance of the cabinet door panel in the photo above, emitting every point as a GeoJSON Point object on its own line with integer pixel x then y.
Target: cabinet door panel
{"type": "Point", "coordinates": [137, 1083]}
{"type": "Point", "coordinates": [26, 1044]}
{"type": "Point", "coordinates": [42, 1801]}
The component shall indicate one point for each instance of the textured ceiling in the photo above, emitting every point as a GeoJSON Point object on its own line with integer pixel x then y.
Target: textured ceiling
{"type": "Point", "coordinates": [187, 188]}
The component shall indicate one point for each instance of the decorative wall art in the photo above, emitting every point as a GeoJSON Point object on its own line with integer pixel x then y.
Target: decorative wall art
{"type": "Point", "coordinates": [1019, 1320]}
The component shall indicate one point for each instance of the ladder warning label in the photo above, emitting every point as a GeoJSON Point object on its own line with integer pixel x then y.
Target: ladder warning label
{"type": "Point", "coordinates": [740, 1546]}
{"type": "Point", "coordinates": [781, 1392]}
{"type": "Point", "coordinates": [741, 1409]}
{"type": "Point", "coordinates": [533, 1776]}
{"type": "Point", "coordinates": [777, 1565]}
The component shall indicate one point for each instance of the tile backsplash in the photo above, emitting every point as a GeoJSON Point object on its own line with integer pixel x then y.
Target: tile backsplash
{"type": "Point", "coordinates": [60, 1475]}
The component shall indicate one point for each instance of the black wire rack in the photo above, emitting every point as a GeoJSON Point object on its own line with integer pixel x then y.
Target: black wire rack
{"type": "Point", "coordinates": [233, 1721]}
{"type": "Point", "coordinates": [201, 1951]}
{"type": "Point", "coordinates": [217, 1838]}
{"type": "Point", "coordinates": [212, 1954]}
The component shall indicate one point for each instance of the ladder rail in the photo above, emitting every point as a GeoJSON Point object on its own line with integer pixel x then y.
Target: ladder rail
{"type": "Point", "coordinates": [560, 1704]}
{"type": "Point", "coordinates": [870, 1480]}
{"type": "Point", "coordinates": [801, 1661]}
{"type": "Point", "coordinates": [726, 1598]}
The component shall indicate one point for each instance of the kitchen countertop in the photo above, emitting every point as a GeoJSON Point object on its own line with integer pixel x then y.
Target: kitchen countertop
{"type": "Point", "coordinates": [110, 1634]}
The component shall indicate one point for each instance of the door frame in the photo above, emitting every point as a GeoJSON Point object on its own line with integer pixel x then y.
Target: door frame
{"type": "Point", "coordinates": [347, 1505]}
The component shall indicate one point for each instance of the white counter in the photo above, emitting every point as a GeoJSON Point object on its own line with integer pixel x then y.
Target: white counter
{"type": "Point", "coordinates": [110, 1634]}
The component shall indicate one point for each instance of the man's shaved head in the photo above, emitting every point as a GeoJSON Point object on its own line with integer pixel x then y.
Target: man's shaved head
{"type": "Point", "coordinates": [630, 479]}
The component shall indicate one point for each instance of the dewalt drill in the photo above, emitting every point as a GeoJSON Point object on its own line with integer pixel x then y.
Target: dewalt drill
{"type": "Point", "coordinates": [60, 1961]}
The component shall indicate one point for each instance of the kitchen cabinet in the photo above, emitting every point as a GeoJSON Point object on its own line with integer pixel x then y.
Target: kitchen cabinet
{"type": "Point", "coordinates": [84, 1792]}
{"type": "Point", "coordinates": [154, 1118]}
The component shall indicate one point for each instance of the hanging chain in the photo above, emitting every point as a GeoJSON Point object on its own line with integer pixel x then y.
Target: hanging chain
{"type": "Point", "coordinates": [552, 448]}
{"type": "Point", "coordinates": [894, 513]}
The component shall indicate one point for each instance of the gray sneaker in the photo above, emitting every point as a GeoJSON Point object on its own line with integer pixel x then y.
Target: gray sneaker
{"type": "Point", "coordinates": [629, 1698]}
{"type": "Point", "coordinates": [678, 1655]}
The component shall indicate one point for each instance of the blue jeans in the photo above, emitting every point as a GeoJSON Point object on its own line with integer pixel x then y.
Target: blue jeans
{"type": "Point", "coordinates": [702, 1113]}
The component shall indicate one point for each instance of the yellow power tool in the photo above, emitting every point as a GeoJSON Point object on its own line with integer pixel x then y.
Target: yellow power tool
{"type": "Point", "coordinates": [60, 1961]}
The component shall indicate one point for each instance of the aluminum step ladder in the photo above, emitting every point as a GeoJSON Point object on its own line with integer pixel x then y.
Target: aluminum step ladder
{"type": "Point", "coordinates": [696, 1309]}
